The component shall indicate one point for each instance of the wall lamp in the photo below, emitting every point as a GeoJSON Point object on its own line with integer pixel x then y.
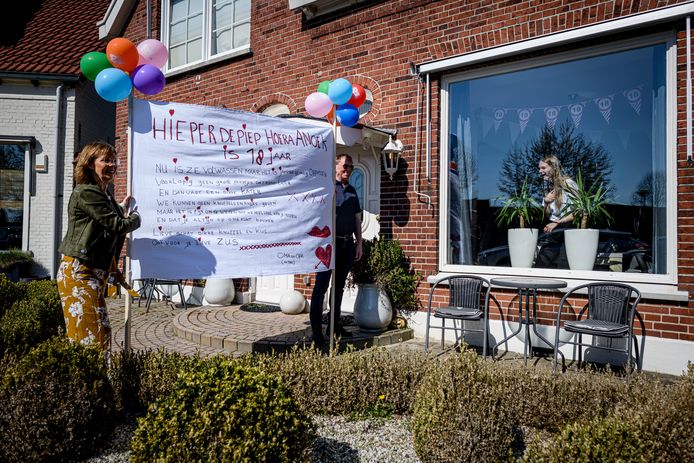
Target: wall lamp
{"type": "Point", "coordinates": [391, 156]}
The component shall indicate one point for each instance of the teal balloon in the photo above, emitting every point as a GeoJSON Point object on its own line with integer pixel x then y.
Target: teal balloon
{"type": "Point", "coordinates": [340, 91]}
{"type": "Point", "coordinates": [347, 114]}
{"type": "Point", "coordinates": [93, 63]}
{"type": "Point", "coordinates": [324, 86]}
{"type": "Point", "coordinates": [112, 84]}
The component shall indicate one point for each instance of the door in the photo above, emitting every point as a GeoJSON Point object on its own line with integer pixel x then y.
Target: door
{"type": "Point", "coordinates": [271, 288]}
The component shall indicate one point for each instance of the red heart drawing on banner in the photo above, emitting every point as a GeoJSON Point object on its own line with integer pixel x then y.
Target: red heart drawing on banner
{"type": "Point", "coordinates": [224, 147]}
{"type": "Point", "coordinates": [320, 232]}
{"type": "Point", "coordinates": [270, 149]}
{"type": "Point", "coordinates": [184, 216]}
{"type": "Point", "coordinates": [160, 227]}
{"type": "Point", "coordinates": [185, 178]}
{"type": "Point", "coordinates": [200, 238]}
{"type": "Point", "coordinates": [198, 208]}
{"type": "Point", "coordinates": [171, 111]}
{"type": "Point", "coordinates": [202, 228]}
{"type": "Point", "coordinates": [227, 188]}
{"type": "Point", "coordinates": [175, 160]}
{"type": "Point", "coordinates": [324, 255]}
{"type": "Point", "coordinates": [244, 126]}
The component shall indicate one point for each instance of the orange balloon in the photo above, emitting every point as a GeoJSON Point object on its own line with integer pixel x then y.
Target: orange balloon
{"type": "Point", "coordinates": [122, 54]}
{"type": "Point", "coordinates": [331, 116]}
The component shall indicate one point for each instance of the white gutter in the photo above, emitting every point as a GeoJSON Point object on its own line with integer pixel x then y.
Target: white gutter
{"type": "Point", "coordinates": [552, 40]}
{"type": "Point", "coordinates": [58, 170]}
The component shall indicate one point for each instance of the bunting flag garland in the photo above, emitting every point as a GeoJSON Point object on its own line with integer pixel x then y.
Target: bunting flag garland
{"type": "Point", "coordinates": [605, 105]}
{"type": "Point", "coordinates": [551, 115]}
{"type": "Point", "coordinates": [523, 117]}
{"type": "Point", "coordinates": [498, 118]}
{"type": "Point", "coordinates": [633, 96]}
{"type": "Point", "coordinates": [576, 111]}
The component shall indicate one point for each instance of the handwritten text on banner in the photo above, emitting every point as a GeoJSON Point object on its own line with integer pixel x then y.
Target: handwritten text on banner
{"type": "Point", "coordinates": [228, 193]}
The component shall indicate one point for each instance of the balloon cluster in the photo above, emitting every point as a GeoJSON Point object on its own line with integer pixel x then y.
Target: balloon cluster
{"type": "Point", "coordinates": [338, 98]}
{"type": "Point", "coordinates": [125, 66]}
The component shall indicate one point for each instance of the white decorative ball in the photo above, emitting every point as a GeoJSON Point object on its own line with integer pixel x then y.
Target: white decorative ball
{"type": "Point", "coordinates": [292, 302]}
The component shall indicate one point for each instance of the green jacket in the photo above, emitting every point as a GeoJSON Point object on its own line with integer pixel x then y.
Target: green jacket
{"type": "Point", "coordinates": [96, 227]}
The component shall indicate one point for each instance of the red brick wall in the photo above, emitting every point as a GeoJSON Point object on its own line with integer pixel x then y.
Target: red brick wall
{"type": "Point", "coordinates": [378, 43]}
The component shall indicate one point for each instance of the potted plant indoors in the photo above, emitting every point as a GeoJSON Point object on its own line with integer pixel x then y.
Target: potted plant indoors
{"type": "Point", "coordinates": [385, 282]}
{"type": "Point", "coordinates": [587, 206]}
{"type": "Point", "coordinates": [522, 241]}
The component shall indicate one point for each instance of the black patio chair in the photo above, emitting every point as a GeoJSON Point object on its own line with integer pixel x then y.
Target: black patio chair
{"type": "Point", "coordinates": [149, 287]}
{"type": "Point", "coordinates": [468, 300]}
{"type": "Point", "coordinates": [609, 313]}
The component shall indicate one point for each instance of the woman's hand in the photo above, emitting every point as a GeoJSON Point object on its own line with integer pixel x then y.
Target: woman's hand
{"type": "Point", "coordinates": [550, 227]}
{"type": "Point", "coordinates": [126, 205]}
{"type": "Point", "coordinates": [549, 197]}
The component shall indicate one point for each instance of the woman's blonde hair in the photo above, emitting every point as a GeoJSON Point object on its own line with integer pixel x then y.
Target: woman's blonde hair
{"type": "Point", "coordinates": [559, 181]}
{"type": "Point", "coordinates": [84, 166]}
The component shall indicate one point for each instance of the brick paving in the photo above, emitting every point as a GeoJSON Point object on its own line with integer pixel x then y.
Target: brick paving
{"type": "Point", "coordinates": [229, 329]}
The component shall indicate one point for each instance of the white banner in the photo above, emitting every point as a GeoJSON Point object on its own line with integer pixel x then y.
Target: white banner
{"type": "Point", "coordinates": [230, 194]}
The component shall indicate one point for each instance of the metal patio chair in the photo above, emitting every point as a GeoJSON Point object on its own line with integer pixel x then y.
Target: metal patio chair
{"type": "Point", "coordinates": [468, 300]}
{"type": "Point", "coordinates": [149, 287]}
{"type": "Point", "coordinates": [610, 314]}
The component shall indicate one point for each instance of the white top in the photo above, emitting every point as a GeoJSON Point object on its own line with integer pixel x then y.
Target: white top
{"type": "Point", "coordinates": [556, 213]}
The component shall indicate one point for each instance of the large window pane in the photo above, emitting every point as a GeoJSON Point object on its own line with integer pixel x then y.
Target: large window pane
{"type": "Point", "coordinates": [11, 196]}
{"type": "Point", "coordinates": [242, 35]}
{"type": "Point", "coordinates": [601, 117]}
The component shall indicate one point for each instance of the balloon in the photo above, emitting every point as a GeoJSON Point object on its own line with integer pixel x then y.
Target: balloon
{"type": "Point", "coordinates": [340, 91]}
{"type": "Point", "coordinates": [122, 54]}
{"type": "Point", "coordinates": [358, 96]}
{"type": "Point", "coordinates": [93, 63]}
{"type": "Point", "coordinates": [347, 114]}
{"type": "Point", "coordinates": [323, 86]}
{"type": "Point", "coordinates": [318, 104]}
{"type": "Point", "coordinates": [152, 52]}
{"type": "Point", "coordinates": [331, 116]}
{"type": "Point", "coordinates": [113, 84]}
{"type": "Point", "coordinates": [148, 79]}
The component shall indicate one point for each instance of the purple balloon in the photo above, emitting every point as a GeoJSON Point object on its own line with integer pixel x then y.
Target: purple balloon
{"type": "Point", "coordinates": [148, 79]}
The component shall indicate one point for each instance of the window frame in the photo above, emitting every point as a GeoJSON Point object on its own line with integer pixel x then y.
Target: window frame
{"type": "Point", "coordinates": [29, 184]}
{"type": "Point", "coordinates": [207, 58]}
{"type": "Point", "coordinates": [649, 281]}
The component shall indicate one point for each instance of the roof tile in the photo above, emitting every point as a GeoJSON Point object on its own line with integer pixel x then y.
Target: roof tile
{"type": "Point", "coordinates": [55, 37]}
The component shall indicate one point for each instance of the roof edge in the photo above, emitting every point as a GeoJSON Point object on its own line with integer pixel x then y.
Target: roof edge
{"type": "Point", "coordinates": [115, 18]}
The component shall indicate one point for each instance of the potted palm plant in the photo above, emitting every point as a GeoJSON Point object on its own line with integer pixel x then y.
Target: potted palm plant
{"type": "Point", "coordinates": [385, 284]}
{"type": "Point", "coordinates": [520, 207]}
{"type": "Point", "coordinates": [587, 206]}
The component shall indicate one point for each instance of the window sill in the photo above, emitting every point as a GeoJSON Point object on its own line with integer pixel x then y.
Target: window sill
{"type": "Point", "coordinates": [199, 64]}
{"type": "Point", "coordinates": [650, 291]}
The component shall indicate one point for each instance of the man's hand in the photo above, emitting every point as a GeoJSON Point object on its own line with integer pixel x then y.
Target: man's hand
{"type": "Point", "coordinates": [358, 252]}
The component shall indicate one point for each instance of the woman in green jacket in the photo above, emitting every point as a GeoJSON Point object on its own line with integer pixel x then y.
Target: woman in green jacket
{"type": "Point", "coordinates": [97, 226]}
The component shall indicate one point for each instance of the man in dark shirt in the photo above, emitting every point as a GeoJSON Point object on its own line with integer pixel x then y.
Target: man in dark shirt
{"type": "Point", "coordinates": [347, 227]}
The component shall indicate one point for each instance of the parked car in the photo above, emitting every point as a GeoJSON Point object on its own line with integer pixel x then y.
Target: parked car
{"type": "Point", "coordinates": [617, 251]}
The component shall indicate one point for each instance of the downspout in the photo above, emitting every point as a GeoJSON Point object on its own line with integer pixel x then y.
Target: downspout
{"type": "Point", "coordinates": [58, 177]}
{"type": "Point", "coordinates": [416, 145]}
{"type": "Point", "coordinates": [428, 164]}
{"type": "Point", "coordinates": [149, 19]}
{"type": "Point", "coordinates": [689, 93]}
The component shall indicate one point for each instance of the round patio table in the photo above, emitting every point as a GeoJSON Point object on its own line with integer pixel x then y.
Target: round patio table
{"type": "Point", "coordinates": [526, 287]}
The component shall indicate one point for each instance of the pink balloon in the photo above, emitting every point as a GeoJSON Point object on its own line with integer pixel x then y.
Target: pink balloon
{"type": "Point", "coordinates": [152, 52]}
{"type": "Point", "coordinates": [318, 104]}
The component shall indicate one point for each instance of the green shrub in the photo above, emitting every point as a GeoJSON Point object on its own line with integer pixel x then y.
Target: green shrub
{"type": "Point", "coordinates": [219, 411]}
{"type": "Point", "coordinates": [9, 293]}
{"type": "Point", "coordinates": [33, 318]}
{"type": "Point", "coordinates": [141, 378]}
{"type": "Point", "coordinates": [349, 383]}
{"type": "Point", "coordinates": [55, 404]}
{"type": "Point", "coordinates": [460, 414]}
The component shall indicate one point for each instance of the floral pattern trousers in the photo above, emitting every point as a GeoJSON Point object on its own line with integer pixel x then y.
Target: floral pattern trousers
{"type": "Point", "coordinates": [82, 289]}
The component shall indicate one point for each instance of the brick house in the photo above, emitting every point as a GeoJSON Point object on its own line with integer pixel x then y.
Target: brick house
{"type": "Point", "coordinates": [47, 113]}
{"type": "Point", "coordinates": [478, 93]}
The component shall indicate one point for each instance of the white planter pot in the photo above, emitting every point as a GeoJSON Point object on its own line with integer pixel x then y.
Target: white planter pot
{"type": "Point", "coordinates": [372, 308]}
{"type": "Point", "coordinates": [522, 243]}
{"type": "Point", "coordinates": [581, 248]}
{"type": "Point", "coordinates": [219, 291]}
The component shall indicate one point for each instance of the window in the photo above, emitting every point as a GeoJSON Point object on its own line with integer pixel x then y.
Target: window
{"type": "Point", "coordinates": [12, 190]}
{"type": "Point", "coordinates": [199, 31]}
{"type": "Point", "coordinates": [602, 113]}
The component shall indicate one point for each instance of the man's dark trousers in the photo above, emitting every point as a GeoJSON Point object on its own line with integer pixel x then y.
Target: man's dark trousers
{"type": "Point", "coordinates": [344, 259]}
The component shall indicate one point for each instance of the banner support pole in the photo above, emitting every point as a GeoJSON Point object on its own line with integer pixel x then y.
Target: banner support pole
{"type": "Point", "coordinates": [128, 191]}
{"type": "Point", "coordinates": [331, 312]}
